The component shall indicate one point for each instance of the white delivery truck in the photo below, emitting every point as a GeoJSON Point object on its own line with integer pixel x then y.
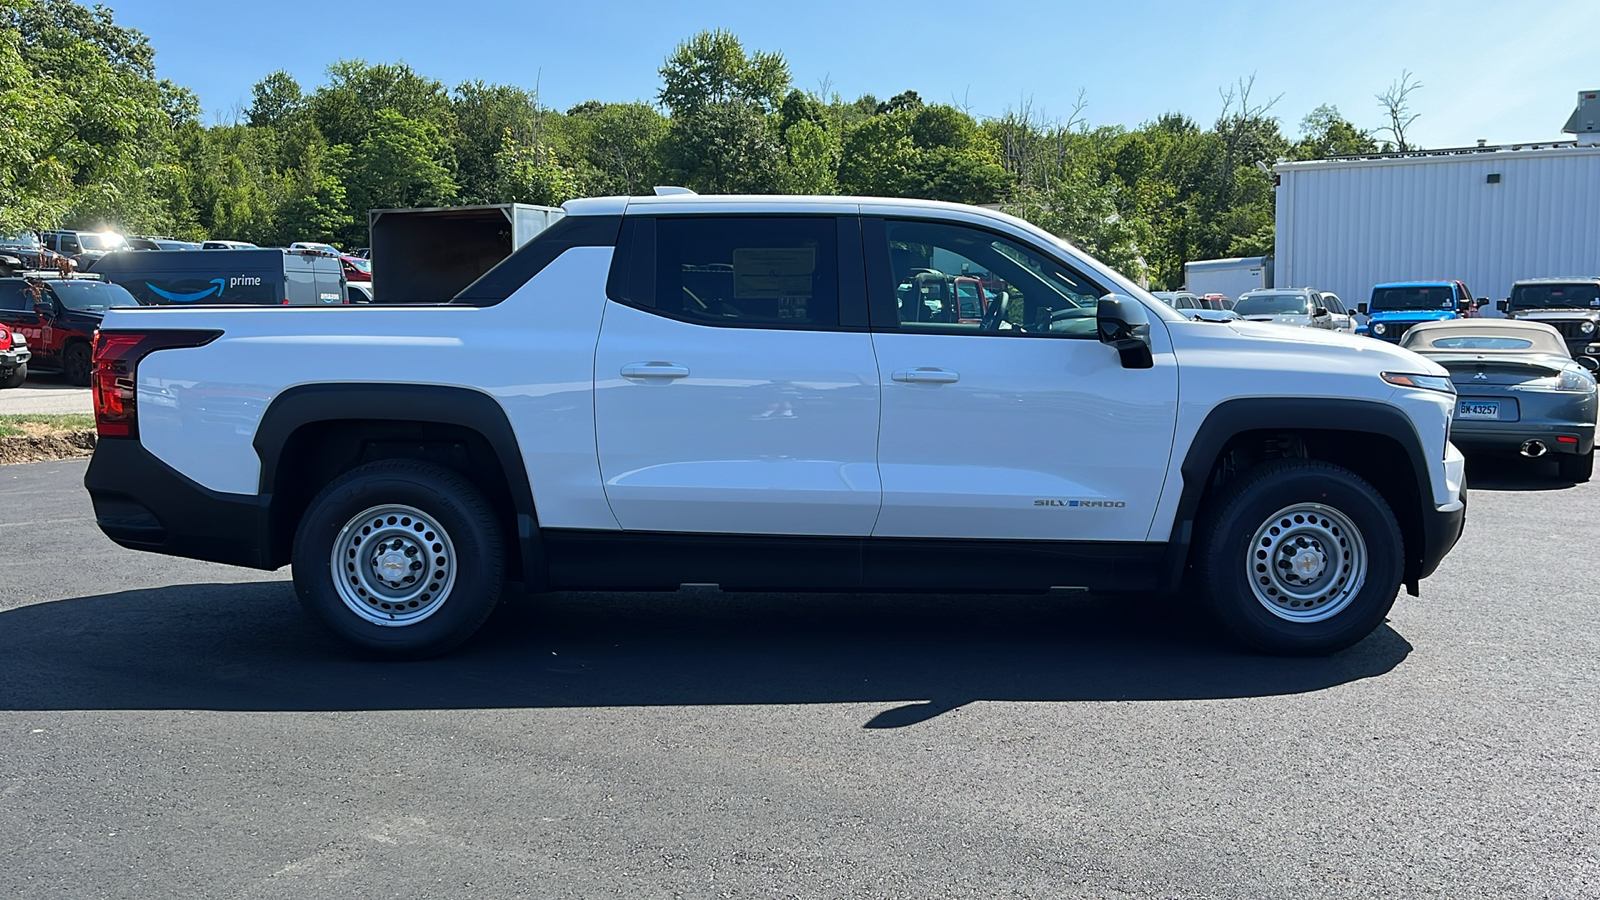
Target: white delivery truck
{"type": "Point", "coordinates": [1228, 277]}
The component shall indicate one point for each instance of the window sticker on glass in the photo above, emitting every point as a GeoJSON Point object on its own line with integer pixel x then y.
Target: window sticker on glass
{"type": "Point", "coordinates": [773, 273]}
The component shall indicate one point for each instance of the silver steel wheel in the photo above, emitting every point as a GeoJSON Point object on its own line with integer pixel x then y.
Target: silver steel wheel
{"type": "Point", "coordinates": [1307, 563]}
{"type": "Point", "coordinates": [393, 565]}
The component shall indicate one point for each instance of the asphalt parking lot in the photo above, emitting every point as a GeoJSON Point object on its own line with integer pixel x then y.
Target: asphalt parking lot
{"type": "Point", "coordinates": [46, 394]}
{"type": "Point", "coordinates": [172, 728]}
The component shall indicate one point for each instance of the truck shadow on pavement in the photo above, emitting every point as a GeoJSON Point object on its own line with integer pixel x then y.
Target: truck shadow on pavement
{"type": "Point", "coordinates": [248, 647]}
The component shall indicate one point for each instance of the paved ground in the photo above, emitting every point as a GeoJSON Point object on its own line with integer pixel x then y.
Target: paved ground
{"type": "Point", "coordinates": [46, 394]}
{"type": "Point", "coordinates": [170, 728]}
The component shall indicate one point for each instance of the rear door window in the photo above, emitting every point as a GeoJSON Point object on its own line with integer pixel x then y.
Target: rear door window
{"type": "Point", "coordinates": [748, 271]}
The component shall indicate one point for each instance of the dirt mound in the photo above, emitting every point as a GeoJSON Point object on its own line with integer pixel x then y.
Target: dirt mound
{"type": "Point", "coordinates": [57, 445]}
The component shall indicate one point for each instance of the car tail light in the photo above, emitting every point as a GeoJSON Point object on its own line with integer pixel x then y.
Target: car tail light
{"type": "Point", "coordinates": [116, 364]}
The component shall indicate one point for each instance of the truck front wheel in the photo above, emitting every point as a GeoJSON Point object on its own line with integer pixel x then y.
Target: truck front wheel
{"type": "Point", "coordinates": [1300, 557]}
{"type": "Point", "coordinates": [400, 557]}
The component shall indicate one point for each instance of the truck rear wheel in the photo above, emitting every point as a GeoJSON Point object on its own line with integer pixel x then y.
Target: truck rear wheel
{"type": "Point", "coordinates": [78, 364]}
{"type": "Point", "coordinates": [1300, 557]}
{"type": "Point", "coordinates": [400, 557]}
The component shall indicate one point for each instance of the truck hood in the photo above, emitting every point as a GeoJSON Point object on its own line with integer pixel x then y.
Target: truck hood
{"type": "Point", "coordinates": [1556, 314]}
{"type": "Point", "coordinates": [1343, 351]}
{"type": "Point", "coordinates": [1411, 315]}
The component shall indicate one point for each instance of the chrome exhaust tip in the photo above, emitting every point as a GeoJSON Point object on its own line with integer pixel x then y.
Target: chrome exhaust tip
{"type": "Point", "coordinates": [1534, 449]}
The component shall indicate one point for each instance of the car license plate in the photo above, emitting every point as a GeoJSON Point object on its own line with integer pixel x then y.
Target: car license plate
{"type": "Point", "coordinates": [1478, 409]}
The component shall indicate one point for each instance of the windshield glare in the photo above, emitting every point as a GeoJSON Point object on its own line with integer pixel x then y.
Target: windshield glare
{"type": "Point", "coordinates": [26, 240]}
{"type": "Point", "coordinates": [1273, 305]}
{"type": "Point", "coordinates": [105, 241]}
{"type": "Point", "coordinates": [91, 296]}
{"type": "Point", "coordinates": [1547, 296]}
{"type": "Point", "coordinates": [1428, 296]}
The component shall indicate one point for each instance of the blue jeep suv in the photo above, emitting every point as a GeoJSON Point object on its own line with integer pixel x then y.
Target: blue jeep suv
{"type": "Point", "coordinates": [1397, 306]}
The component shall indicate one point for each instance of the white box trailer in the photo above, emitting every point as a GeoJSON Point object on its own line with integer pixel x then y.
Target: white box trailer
{"type": "Point", "coordinates": [1487, 216]}
{"type": "Point", "coordinates": [1229, 277]}
{"type": "Point", "coordinates": [427, 255]}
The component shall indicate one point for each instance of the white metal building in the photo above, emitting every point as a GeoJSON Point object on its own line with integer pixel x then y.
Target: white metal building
{"type": "Point", "coordinates": [1484, 215]}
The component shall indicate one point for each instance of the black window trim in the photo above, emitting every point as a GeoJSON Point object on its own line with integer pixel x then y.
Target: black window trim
{"type": "Point", "coordinates": [510, 274]}
{"type": "Point", "coordinates": [632, 280]}
{"type": "Point", "coordinates": [880, 290]}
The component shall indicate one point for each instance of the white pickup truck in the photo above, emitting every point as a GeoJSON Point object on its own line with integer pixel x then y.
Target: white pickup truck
{"type": "Point", "coordinates": [779, 393]}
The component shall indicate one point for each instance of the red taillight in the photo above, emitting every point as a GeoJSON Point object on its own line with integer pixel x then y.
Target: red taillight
{"type": "Point", "coordinates": [116, 364]}
{"type": "Point", "coordinates": [1566, 439]}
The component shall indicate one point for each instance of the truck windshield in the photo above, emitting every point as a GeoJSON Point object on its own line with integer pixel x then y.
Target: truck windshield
{"type": "Point", "coordinates": [1421, 296]}
{"type": "Point", "coordinates": [91, 296]}
{"type": "Point", "coordinates": [101, 241]}
{"type": "Point", "coordinates": [1273, 305]}
{"type": "Point", "coordinates": [1555, 296]}
{"type": "Point", "coordinates": [27, 240]}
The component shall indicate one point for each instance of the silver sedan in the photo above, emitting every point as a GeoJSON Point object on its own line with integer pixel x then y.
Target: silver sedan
{"type": "Point", "coordinates": [1518, 389]}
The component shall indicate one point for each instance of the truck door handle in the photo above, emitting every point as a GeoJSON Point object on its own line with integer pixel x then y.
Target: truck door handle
{"type": "Point", "coordinates": [925, 375]}
{"type": "Point", "coordinates": [654, 370]}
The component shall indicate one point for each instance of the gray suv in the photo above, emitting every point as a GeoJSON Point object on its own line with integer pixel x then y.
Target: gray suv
{"type": "Point", "coordinates": [1305, 307]}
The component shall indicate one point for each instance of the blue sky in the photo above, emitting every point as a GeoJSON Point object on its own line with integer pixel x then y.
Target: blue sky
{"type": "Point", "coordinates": [1504, 71]}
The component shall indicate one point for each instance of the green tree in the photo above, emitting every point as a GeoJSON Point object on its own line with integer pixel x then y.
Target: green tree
{"type": "Point", "coordinates": [485, 114]}
{"type": "Point", "coordinates": [712, 69]}
{"type": "Point", "coordinates": [724, 148]}
{"type": "Point", "coordinates": [528, 172]}
{"type": "Point", "coordinates": [401, 162]}
{"type": "Point", "coordinates": [274, 100]}
{"type": "Point", "coordinates": [615, 147]}
{"type": "Point", "coordinates": [1325, 133]}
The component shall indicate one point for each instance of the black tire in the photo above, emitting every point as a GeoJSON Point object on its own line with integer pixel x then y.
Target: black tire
{"type": "Point", "coordinates": [1228, 559]}
{"type": "Point", "coordinates": [16, 378]}
{"type": "Point", "coordinates": [78, 364]}
{"type": "Point", "coordinates": [470, 534]}
{"type": "Point", "coordinates": [1576, 468]}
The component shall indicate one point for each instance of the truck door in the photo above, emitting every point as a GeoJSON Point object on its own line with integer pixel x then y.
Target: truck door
{"type": "Point", "coordinates": [735, 386]}
{"type": "Point", "coordinates": [1023, 426]}
{"type": "Point", "coordinates": [19, 310]}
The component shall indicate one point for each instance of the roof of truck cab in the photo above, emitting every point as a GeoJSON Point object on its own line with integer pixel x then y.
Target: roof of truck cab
{"type": "Point", "coordinates": [766, 203]}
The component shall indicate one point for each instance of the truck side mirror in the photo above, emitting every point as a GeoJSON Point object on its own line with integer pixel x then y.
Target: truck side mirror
{"type": "Point", "coordinates": [1319, 312]}
{"type": "Point", "coordinates": [1122, 323]}
{"type": "Point", "coordinates": [1361, 308]}
{"type": "Point", "coordinates": [1503, 305]}
{"type": "Point", "coordinates": [1481, 302]}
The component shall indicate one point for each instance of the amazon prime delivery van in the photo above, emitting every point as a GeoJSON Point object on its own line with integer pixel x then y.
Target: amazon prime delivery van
{"type": "Point", "coordinates": [254, 277]}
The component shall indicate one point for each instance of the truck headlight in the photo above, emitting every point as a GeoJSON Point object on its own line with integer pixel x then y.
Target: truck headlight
{"type": "Point", "coordinates": [1439, 383]}
{"type": "Point", "coordinates": [1379, 328]}
{"type": "Point", "coordinates": [1587, 328]}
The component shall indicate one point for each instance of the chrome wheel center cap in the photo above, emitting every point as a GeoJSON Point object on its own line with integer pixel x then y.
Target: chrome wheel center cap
{"type": "Point", "coordinates": [392, 566]}
{"type": "Point", "coordinates": [1308, 564]}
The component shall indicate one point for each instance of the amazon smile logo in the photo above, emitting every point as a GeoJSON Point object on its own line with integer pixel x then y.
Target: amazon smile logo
{"type": "Point", "coordinates": [217, 287]}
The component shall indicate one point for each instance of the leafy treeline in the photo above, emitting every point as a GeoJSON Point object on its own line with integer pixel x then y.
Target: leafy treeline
{"type": "Point", "coordinates": [98, 139]}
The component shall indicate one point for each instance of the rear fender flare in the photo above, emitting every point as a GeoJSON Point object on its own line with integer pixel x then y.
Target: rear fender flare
{"type": "Point", "coordinates": [421, 403]}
